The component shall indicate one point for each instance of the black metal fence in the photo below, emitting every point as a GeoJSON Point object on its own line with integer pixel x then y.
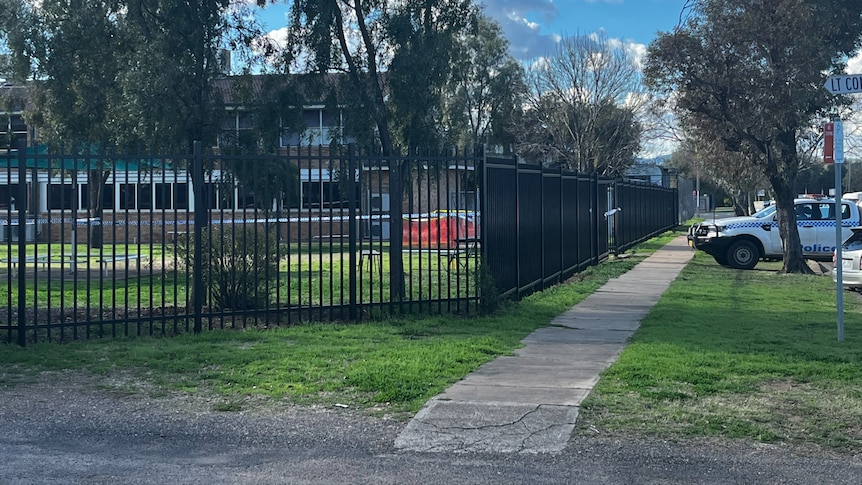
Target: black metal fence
{"type": "Point", "coordinates": [541, 225]}
{"type": "Point", "coordinates": [113, 244]}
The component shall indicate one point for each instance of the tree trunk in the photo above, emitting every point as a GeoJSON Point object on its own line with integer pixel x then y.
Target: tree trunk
{"type": "Point", "coordinates": [96, 187]}
{"type": "Point", "coordinates": [781, 168]}
{"type": "Point", "coordinates": [398, 171]}
{"type": "Point", "coordinates": [738, 199]}
{"type": "Point", "coordinates": [794, 262]}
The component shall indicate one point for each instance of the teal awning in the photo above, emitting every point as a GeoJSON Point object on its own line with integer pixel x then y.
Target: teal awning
{"type": "Point", "coordinates": [39, 157]}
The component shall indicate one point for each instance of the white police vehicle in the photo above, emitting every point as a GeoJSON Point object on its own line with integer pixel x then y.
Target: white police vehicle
{"type": "Point", "coordinates": [740, 242]}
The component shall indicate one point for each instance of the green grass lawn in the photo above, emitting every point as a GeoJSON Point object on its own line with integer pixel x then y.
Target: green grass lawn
{"type": "Point", "coordinates": [306, 283]}
{"type": "Point", "coordinates": [734, 353]}
{"type": "Point", "coordinates": [394, 365]}
{"type": "Point", "coordinates": [725, 353]}
{"type": "Point", "coordinates": [308, 276]}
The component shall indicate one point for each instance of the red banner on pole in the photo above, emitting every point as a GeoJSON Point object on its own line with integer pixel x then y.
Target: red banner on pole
{"type": "Point", "coordinates": [829, 143]}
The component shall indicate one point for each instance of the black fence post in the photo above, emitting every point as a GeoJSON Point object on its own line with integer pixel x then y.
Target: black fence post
{"type": "Point", "coordinates": [200, 222]}
{"type": "Point", "coordinates": [594, 224]}
{"type": "Point", "coordinates": [22, 243]}
{"type": "Point", "coordinates": [518, 234]}
{"type": "Point", "coordinates": [352, 230]}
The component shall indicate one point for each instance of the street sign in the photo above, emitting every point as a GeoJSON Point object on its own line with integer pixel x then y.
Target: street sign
{"type": "Point", "coordinates": [828, 146]}
{"type": "Point", "coordinates": [838, 141]}
{"type": "Point", "coordinates": [844, 83]}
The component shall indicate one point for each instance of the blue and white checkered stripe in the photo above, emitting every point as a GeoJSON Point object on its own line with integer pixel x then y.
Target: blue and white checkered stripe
{"type": "Point", "coordinates": [828, 223]}
{"type": "Point", "coordinates": [818, 223]}
{"type": "Point", "coordinates": [747, 225]}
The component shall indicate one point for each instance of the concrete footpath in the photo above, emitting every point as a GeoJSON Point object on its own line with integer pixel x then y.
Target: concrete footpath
{"type": "Point", "coordinates": [529, 402]}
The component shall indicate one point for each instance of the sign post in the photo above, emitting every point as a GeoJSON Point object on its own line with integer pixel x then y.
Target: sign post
{"type": "Point", "coordinates": [838, 148]}
{"type": "Point", "coordinates": [839, 84]}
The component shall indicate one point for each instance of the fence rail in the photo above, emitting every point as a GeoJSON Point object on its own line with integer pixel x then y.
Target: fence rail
{"type": "Point", "coordinates": [97, 244]}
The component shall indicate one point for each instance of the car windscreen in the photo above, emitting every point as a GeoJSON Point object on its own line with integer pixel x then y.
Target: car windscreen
{"type": "Point", "coordinates": [854, 242]}
{"type": "Point", "coordinates": [765, 212]}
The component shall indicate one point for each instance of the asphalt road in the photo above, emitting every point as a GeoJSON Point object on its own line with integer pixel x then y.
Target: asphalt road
{"type": "Point", "coordinates": [64, 429]}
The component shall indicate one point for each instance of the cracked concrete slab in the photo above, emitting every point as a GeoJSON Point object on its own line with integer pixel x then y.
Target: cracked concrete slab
{"type": "Point", "coordinates": [489, 427]}
{"type": "Point", "coordinates": [593, 323]}
{"type": "Point", "coordinates": [560, 334]}
{"type": "Point", "coordinates": [528, 402]}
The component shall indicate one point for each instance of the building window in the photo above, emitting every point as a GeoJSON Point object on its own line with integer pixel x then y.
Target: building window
{"type": "Point", "coordinates": [181, 196]}
{"type": "Point", "coordinates": [220, 195]}
{"type": "Point", "coordinates": [127, 196]}
{"type": "Point", "coordinates": [145, 197]}
{"type": "Point", "coordinates": [136, 196]}
{"type": "Point", "coordinates": [325, 194]}
{"type": "Point", "coordinates": [61, 197]}
{"type": "Point", "coordinates": [164, 196]}
{"type": "Point", "coordinates": [9, 198]}
{"type": "Point", "coordinates": [107, 196]}
{"type": "Point", "coordinates": [12, 129]}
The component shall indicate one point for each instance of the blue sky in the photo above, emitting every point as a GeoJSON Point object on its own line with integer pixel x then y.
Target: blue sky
{"type": "Point", "coordinates": [533, 25]}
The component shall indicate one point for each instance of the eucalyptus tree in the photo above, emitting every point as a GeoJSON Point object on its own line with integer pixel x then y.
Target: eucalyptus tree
{"type": "Point", "coordinates": [751, 74]}
{"type": "Point", "coordinates": [112, 72]}
{"type": "Point", "coordinates": [586, 94]}
{"type": "Point", "coordinates": [75, 52]}
{"type": "Point", "coordinates": [485, 88]}
{"type": "Point", "coordinates": [175, 57]}
{"type": "Point", "coordinates": [397, 57]}
{"type": "Point", "coordinates": [15, 24]}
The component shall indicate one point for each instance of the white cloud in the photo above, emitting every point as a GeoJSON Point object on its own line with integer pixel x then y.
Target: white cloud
{"type": "Point", "coordinates": [521, 21]}
{"type": "Point", "coordinates": [637, 52]}
{"type": "Point", "coordinates": [854, 65]}
{"type": "Point", "coordinates": [278, 36]}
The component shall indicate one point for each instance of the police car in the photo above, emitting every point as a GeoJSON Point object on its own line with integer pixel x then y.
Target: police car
{"type": "Point", "coordinates": [740, 242]}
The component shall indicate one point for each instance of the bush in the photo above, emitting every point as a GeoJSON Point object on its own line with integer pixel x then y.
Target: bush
{"type": "Point", "coordinates": [240, 266]}
{"type": "Point", "coordinates": [486, 287]}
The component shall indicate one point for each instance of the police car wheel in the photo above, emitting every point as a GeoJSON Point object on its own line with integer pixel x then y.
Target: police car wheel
{"type": "Point", "coordinates": [720, 260]}
{"type": "Point", "coordinates": [742, 255]}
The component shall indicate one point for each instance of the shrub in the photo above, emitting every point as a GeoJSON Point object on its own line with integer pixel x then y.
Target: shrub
{"type": "Point", "coordinates": [486, 288]}
{"type": "Point", "coordinates": [239, 265]}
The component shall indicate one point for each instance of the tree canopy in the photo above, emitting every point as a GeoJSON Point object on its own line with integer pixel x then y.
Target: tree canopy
{"type": "Point", "coordinates": [398, 57]}
{"type": "Point", "coordinates": [751, 74]}
{"type": "Point", "coordinates": [581, 113]}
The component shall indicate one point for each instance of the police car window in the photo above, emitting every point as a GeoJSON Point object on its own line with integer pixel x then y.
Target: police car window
{"type": "Point", "coordinates": [765, 212]}
{"type": "Point", "coordinates": [804, 212]}
{"type": "Point", "coordinates": [845, 211]}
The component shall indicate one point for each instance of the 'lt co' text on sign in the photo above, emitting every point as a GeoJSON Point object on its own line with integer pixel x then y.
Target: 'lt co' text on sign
{"type": "Point", "coordinates": [844, 84]}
